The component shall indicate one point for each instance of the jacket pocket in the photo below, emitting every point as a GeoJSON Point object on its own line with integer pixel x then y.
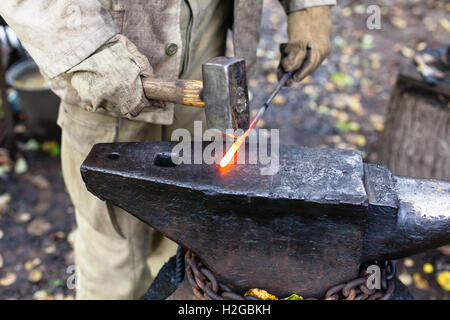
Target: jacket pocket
{"type": "Point", "coordinates": [83, 129]}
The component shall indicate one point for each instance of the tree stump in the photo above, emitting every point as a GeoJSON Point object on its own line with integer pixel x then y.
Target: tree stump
{"type": "Point", "coordinates": [416, 138]}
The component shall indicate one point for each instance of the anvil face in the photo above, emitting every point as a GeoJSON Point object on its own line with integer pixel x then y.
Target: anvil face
{"type": "Point", "coordinates": [295, 232]}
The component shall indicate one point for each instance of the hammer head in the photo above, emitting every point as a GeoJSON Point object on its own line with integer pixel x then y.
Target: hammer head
{"type": "Point", "coordinates": [225, 94]}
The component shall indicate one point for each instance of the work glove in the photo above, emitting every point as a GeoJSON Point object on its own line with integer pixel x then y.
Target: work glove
{"type": "Point", "coordinates": [109, 80]}
{"type": "Point", "coordinates": [309, 42]}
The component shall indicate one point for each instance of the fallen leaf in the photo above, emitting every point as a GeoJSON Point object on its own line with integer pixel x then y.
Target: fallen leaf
{"type": "Point", "coordinates": [445, 23]}
{"type": "Point", "coordinates": [360, 9]}
{"type": "Point", "coordinates": [57, 283]}
{"type": "Point", "coordinates": [406, 279]}
{"type": "Point", "coordinates": [261, 123]}
{"type": "Point", "coordinates": [349, 50]}
{"type": "Point", "coordinates": [37, 181]}
{"type": "Point", "coordinates": [42, 295]}
{"type": "Point", "coordinates": [52, 148]}
{"type": "Point", "coordinates": [420, 282]}
{"type": "Point", "coordinates": [323, 109]}
{"type": "Point", "coordinates": [59, 296]}
{"type": "Point", "coordinates": [360, 140]}
{"type": "Point", "coordinates": [272, 78]}
{"type": "Point", "coordinates": [4, 157]}
{"type": "Point", "coordinates": [428, 268]}
{"type": "Point", "coordinates": [20, 129]}
{"type": "Point", "coordinates": [367, 42]}
{"type": "Point", "coordinates": [69, 258]}
{"type": "Point", "coordinates": [399, 22]}
{"type": "Point", "coordinates": [21, 166]}
{"type": "Point", "coordinates": [358, 73]}
{"type": "Point", "coordinates": [340, 115]}
{"type": "Point", "coordinates": [5, 199]}
{"type": "Point", "coordinates": [71, 237]}
{"type": "Point", "coordinates": [279, 99]}
{"type": "Point", "coordinates": [32, 145]}
{"type": "Point", "coordinates": [330, 86]}
{"type": "Point", "coordinates": [354, 103]}
{"type": "Point", "coordinates": [42, 206]}
{"type": "Point", "coordinates": [408, 52]}
{"type": "Point", "coordinates": [443, 279]}
{"type": "Point", "coordinates": [347, 126]}
{"type": "Point", "coordinates": [339, 42]}
{"type": "Point", "coordinates": [293, 297]}
{"type": "Point", "coordinates": [35, 276]}
{"type": "Point", "coordinates": [253, 83]}
{"type": "Point", "coordinates": [408, 262]}
{"type": "Point", "coordinates": [342, 79]}
{"type": "Point", "coordinates": [274, 18]}
{"type": "Point", "coordinates": [262, 294]}
{"type": "Point", "coordinates": [377, 122]}
{"type": "Point", "coordinates": [445, 250]}
{"type": "Point", "coordinates": [38, 227]}
{"type": "Point", "coordinates": [353, 126]}
{"type": "Point", "coordinates": [30, 264]}
{"type": "Point", "coordinates": [23, 217]}
{"type": "Point", "coordinates": [346, 12]}
{"type": "Point", "coordinates": [376, 64]}
{"type": "Point", "coordinates": [8, 279]}
{"type": "Point", "coordinates": [60, 235]}
{"type": "Point", "coordinates": [421, 46]}
{"type": "Point", "coordinates": [50, 249]}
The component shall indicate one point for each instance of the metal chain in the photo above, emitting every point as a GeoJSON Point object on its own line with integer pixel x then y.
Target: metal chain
{"type": "Point", "coordinates": [180, 265]}
{"type": "Point", "coordinates": [206, 287]}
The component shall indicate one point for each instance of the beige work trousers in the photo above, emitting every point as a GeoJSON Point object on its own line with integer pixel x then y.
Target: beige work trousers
{"type": "Point", "coordinates": [117, 255]}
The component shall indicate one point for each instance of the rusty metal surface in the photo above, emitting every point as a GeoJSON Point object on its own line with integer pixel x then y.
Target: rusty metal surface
{"type": "Point", "coordinates": [205, 286]}
{"type": "Point", "coordinates": [162, 287]}
{"type": "Point", "coordinates": [225, 93]}
{"type": "Point", "coordinates": [406, 215]}
{"type": "Point", "coordinates": [296, 231]}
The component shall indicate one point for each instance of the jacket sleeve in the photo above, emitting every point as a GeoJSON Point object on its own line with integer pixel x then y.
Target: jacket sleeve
{"type": "Point", "coordinates": [296, 5]}
{"type": "Point", "coordinates": [59, 34]}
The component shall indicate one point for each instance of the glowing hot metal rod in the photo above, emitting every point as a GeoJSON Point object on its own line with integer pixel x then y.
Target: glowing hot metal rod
{"type": "Point", "coordinates": [241, 139]}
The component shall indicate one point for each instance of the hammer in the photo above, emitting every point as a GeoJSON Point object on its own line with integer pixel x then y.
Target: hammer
{"type": "Point", "coordinates": [223, 93]}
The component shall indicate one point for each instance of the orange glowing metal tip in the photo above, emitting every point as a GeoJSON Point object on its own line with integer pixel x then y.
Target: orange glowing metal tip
{"type": "Point", "coordinates": [234, 148]}
{"type": "Point", "coordinates": [240, 140]}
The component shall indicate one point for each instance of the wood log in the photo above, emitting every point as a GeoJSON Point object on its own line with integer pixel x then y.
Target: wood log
{"type": "Point", "coordinates": [416, 138]}
{"type": "Point", "coordinates": [9, 142]}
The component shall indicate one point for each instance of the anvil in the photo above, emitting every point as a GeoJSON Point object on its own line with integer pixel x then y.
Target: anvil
{"type": "Point", "coordinates": [301, 230]}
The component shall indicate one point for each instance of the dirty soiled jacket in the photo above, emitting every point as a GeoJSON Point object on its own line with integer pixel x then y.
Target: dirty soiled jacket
{"type": "Point", "coordinates": [59, 34]}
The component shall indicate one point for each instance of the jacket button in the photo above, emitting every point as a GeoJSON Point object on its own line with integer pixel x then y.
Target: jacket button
{"type": "Point", "coordinates": [171, 49]}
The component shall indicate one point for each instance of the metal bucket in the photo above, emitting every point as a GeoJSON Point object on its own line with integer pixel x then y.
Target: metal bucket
{"type": "Point", "coordinates": [39, 104]}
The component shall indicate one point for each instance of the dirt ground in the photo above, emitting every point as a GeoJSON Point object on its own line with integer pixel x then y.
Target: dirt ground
{"type": "Point", "coordinates": [341, 106]}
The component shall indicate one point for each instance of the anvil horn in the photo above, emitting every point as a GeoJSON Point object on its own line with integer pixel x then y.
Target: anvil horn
{"type": "Point", "coordinates": [301, 230]}
{"type": "Point", "coordinates": [406, 215]}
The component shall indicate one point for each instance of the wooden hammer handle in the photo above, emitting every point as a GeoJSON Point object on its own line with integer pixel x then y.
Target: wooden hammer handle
{"type": "Point", "coordinates": [186, 92]}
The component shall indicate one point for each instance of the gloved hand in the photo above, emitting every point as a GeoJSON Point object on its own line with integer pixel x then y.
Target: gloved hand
{"type": "Point", "coordinates": [309, 37]}
{"type": "Point", "coordinates": [110, 79]}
